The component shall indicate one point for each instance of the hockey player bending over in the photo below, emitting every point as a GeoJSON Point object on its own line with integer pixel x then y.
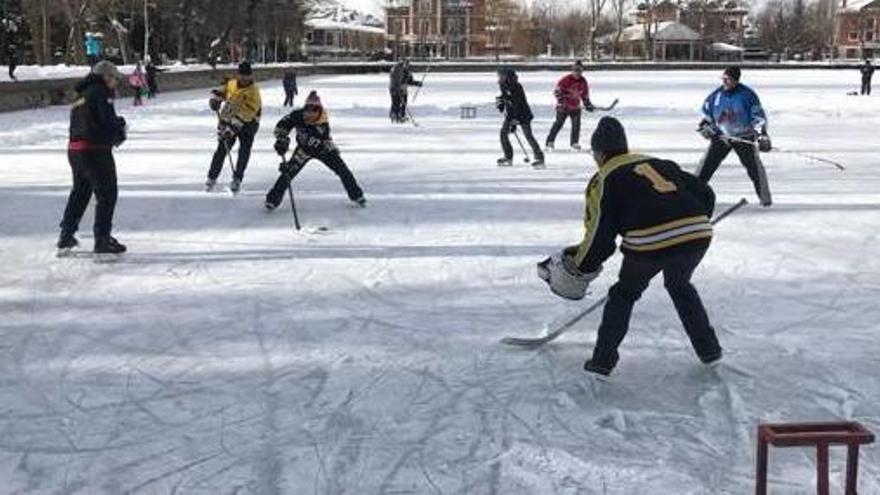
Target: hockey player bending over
{"type": "Point", "coordinates": [734, 119]}
{"type": "Point", "coordinates": [239, 106]}
{"type": "Point", "coordinates": [663, 215]}
{"type": "Point", "coordinates": [401, 79]}
{"type": "Point", "coordinates": [312, 141]}
{"type": "Point", "coordinates": [513, 103]}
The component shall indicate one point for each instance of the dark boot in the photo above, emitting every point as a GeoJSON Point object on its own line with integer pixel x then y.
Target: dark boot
{"type": "Point", "coordinates": [66, 242]}
{"type": "Point", "coordinates": [108, 245]}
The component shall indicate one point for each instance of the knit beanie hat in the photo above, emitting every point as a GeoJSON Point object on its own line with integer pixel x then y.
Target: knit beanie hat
{"type": "Point", "coordinates": [609, 137]}
{"type": "Point", "coordinates": [245, 69]}
{"type": "Point", "coordinates": [313, 99]}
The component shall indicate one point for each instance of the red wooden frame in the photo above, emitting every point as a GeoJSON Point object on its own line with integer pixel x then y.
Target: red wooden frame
{"type": "Point", "coordinates": [820, 435]}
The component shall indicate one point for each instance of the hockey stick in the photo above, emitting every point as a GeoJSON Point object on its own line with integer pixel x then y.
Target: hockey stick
{"type": "Point", "coordinates": [290, 194]}
{"type": "Point", "coordinates": [840, 166]}
{"type": "Point", "coordinates": [227, 147]}
{"type": "Point", "coordinates": [416, 95]}
{"type": "Point", "coordinates": [523, 148]}
{"type": "Point", "coordinates": [609, 107]}
{"type": "Point", "coordinates": [539, 341]}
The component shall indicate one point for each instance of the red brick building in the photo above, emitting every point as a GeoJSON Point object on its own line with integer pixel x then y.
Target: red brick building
{"type": "Point", "coordinates": [857, 29]}
{"type": "Point", "coordinates": [437, 28]}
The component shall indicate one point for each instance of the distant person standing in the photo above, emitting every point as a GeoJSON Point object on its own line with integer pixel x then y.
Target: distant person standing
{"type": "Point", "coordinates": [152, 77]}
{"type": "Point", "coordinates": [867, 71]}
{"type": "Point", "coordinates": [733, 119]}
{"type": "Point", "coordinates": [12, 60]}
{"type": "Point", "coordinates": [401, 78]}
{"type": "Point", "coordinates": [138, 81]}
{"type": "Point", "coordinates": [290, 88]}
{"type": "Point", "coordinates": [572, 97]}
{"type": "Point", "coordinates": [94, 48]}
{"type": "Point", "coordinates": [512, 102]}
{"type": "Point", "coordinates": [94, 130]}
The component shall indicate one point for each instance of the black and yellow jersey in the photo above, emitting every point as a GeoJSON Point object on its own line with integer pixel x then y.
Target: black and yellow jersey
{"type": "Point", "coordinates": [655, 206]}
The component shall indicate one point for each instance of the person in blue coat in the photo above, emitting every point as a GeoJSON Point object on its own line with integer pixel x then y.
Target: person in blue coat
{"type": "Point", "coordinates": [733, 119]}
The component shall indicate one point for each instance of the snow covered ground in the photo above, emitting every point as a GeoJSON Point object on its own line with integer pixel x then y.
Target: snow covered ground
{"type": "Point", "coordinates": [227, 354]}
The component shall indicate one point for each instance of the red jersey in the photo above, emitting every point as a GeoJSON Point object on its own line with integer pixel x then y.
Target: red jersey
{"type": "Point", "coordinates": [570, 92]}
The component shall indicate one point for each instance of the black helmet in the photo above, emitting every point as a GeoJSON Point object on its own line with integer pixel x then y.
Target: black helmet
{"type": "Point", "coordinates": [507, 74]}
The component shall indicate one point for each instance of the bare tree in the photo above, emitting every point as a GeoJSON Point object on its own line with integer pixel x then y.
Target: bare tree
{"type": "Point", "coordinates": [618, 10]}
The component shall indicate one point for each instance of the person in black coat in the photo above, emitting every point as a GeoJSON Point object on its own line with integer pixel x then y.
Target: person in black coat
{"type": "Point", "coordinates": [12, 61]}
{"type": "Point", "coordinates": [513, 103]}
{"type": "Point", "coordinates": [290, 88]}
{"type": "Point", "coordinates": [94, 130]}
{"type": "Point", "coordinates": [867, 71]}
{"type": "Point", "coordinates": [152, 81]}
{"type": "Point", "coordinates": [400, 79]}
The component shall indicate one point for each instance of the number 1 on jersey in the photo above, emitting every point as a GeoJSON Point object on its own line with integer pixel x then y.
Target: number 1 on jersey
{"type": "Point", "coordinates": [660, 184]}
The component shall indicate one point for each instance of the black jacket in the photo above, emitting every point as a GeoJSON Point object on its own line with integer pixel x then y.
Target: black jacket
{"type": "Point", "coordinates": [656, 207]}
{"type": "Point", "coordinates": [514, 102]}
{"type": "Point", "coordinates": [93, 118]}
{"type": "Point", "coordinates": [312, 136]}
{"type": "Point", "coordinates": [401, 77]}
{"type": "Point", "coordinates": [867, 72]}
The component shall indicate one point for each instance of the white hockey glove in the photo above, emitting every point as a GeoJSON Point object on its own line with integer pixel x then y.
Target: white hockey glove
{"type": "Point", "coordinates": [564, 278]}
{"type": "Point", "coordinates": [708, 130]}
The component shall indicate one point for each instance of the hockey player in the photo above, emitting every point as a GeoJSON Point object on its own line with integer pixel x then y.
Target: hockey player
{"type": "Point", "coordinates": [94, 130]}
{"type": "Point", "coordinates": [733, 119]}
{"type": "Point", "coordinates": [401, 78]}
{"type": "Point", "coordinates": [238, 106]}
{"type": "Point", "coordinates": [572, 96]}
{"type": "Point", "coordinates": [313, 140]}
{"type": "Point", "coordinates": [513, 103]}
{"type": "Point", "coordinates": [663, 215]}
{"type": "Point", "coordinates": [290, 88]}
{"type": "Point", "coordinates": [867, 71]}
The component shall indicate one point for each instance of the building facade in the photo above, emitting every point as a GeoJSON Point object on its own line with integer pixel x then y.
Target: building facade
{"type": "Point", "coordinates": [857, 29]}
{"type": "Point", "coordinates": [334, 31]}
{"type": "Point", "coordinates": [437, 28]}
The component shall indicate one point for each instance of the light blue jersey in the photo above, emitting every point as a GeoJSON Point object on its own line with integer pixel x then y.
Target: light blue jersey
{"type": "Point", "coordinates": [735, 113]}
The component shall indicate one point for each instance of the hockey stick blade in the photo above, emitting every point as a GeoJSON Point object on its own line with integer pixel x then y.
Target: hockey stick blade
{"type": "Point", "coordinates": [609, 107]}
{"type": "Point", "coordinates": [551, 336]}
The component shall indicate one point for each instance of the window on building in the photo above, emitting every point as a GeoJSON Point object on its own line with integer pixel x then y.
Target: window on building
{"type": "Point", "coordinates": [853, 36]}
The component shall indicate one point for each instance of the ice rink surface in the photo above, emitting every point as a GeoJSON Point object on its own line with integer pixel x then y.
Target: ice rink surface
{"type": "Point", "coordinates": [228, 355]}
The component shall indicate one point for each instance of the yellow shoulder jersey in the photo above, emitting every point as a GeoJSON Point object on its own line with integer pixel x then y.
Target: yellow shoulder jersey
{"type": "Point", "coordinates": [243, 103]}
{"type": "Point", "coordinates": [654, 205]}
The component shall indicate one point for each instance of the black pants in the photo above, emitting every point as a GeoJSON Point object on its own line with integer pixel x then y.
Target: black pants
{"type": "Point", "coordinates": [561, 115]}
{"type": "Point", "coordinates": [526, 128]}
{"type": "Point", "coordinates": [300, 158]}
{"type": "Point", "coordinates": [866, 86]}
{"type": "Point", "coordinates": [94, 172]}
{"type": "Point", "coordinates": [245, 139]}
{"type": "Point", "coordinates": [12, 68]}
{"type": "Point", "coordinates": [398, 104]}
{"type": "Point", "coordinates": [288, 98]}
{"type": "Point", "coordinates": [750, 158]}
{"type": "Point", "coordinates": [635, 276]}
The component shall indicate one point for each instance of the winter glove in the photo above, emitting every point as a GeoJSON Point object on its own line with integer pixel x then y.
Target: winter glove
{"type": "Point", "coordinates": [226, 131]}
{"type": "Point", "coordinates": [499, 103]}
{"type": "Point", "coordinates": [513, 124]}
{"type": "Point", "coordinates": [764, 143]}
{"type": "Point", "coordinates": [707, 130]}
{"type": "Point", "coordinates": [122, 125]}
{"type": "Point", "coordinates": [282, 145]}
{"type": "Point", "coordinates": [588, 106]}
{"type": "Point", "coordinates": [215, 104]}
{"type": "Point", "coordinates": [564, 278]}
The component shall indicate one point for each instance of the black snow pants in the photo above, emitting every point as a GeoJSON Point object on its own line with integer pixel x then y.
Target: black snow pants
{"type": "Point", "coordinates": [561, 115]}
{"type": "Point", "coordinates": [636, 273]}
{"type": "Point", "coordinates": [331, 159]}
{"type": "Point", "coordinates": [750, 158]}
{"type": "Point", "coordinates": [245, 139]}
{"type": "Point", "coordinates": [398, 104]}
{"type": "Point", "coordinates": [866, 85]}
{"type": "Point", "coordinates": [94, 172]}
{"type": "Point", "coordinates": [526, 128]}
